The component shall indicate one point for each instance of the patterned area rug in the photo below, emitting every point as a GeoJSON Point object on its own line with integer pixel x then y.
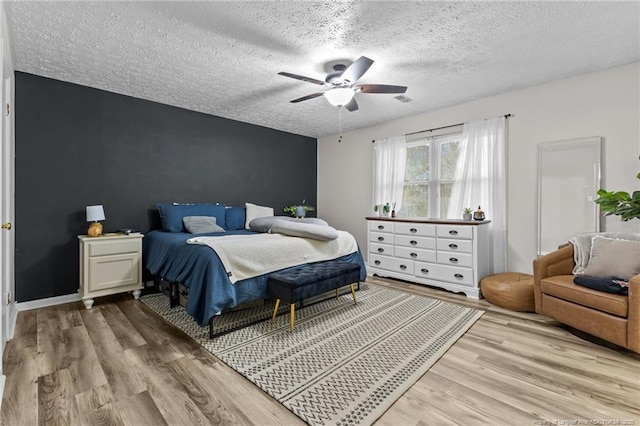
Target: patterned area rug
{"type": "Point", "coordinates": [344, 364]}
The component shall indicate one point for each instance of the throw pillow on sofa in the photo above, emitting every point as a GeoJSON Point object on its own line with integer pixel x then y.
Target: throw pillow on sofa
{"type": "Point", "coordinates": [613, 258]}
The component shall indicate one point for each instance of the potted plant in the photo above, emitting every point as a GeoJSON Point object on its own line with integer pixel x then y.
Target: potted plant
{"type": "Point", "coordinates": [377, 209]}
{"type": "Point", "coordinates": [386, 210]}
{"type": "Point", "coordinates": [466, 213]}
{"type": "Point", "coordinates": [620, 203]}
{"type": "Point", "coordinates": [299, 210]}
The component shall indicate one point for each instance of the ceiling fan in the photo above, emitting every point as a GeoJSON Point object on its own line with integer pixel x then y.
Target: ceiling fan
{"type": "Point", "coordinates": [342, 84]}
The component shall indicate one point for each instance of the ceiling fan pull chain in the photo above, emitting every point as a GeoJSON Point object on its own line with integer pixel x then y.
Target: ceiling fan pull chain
{"type": "Point", "coordinates": [340, 123]}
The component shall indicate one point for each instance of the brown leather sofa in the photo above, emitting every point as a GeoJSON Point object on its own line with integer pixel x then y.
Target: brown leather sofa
{"type": "Point", "coordinates": [612, 317]}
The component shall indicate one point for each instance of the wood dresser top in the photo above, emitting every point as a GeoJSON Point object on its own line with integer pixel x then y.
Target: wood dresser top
{"type": "Point", "coordinates": [427, 220]}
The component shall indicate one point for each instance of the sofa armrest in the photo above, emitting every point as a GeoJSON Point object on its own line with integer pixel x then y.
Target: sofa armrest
{"type": "Point", "coordinates": [559, 262]}
{"type": "Point", "coordinates": [633, 318]}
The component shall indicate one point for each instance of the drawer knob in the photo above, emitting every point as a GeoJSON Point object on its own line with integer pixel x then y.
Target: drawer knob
{"type": "Point", "coordinates": [380, 250]}
{"type": "Point", "coordinates": [459, 276]}
{"type": "Point", "coordinates": [424, 270]}
{"type": "Point", "coordinates": [453, 246]}
{"type": "Point", "coordinates": [414, 255]}
{"type": "Point", "coordinates": [403, 267]}
{"type": "Point", "coordinates": [377, 262]}
{"type": "Point", "coordinates": [380, 226]}
{"type": "Point", "coordinates": [413, 242]}
{"type": "Point", "coordinates": [380, 238]}
{"type": "Point", "coordinates": [453, 232]}
{"type": "Point", "coordinates": [453, 259]}
{"type": "Point", "coordinates": [414, 230]}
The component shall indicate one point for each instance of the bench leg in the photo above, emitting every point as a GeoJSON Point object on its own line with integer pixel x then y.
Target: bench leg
{"type": "Point", "coordinates": [275, 310]}
{"type": "Point", "coordinates": [353, 292]}
{"type": "Point", "coordinates": [292, 319]}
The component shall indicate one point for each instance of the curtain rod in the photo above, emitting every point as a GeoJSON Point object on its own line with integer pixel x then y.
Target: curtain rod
{"type": "Point", "coordinates": [440, 128]}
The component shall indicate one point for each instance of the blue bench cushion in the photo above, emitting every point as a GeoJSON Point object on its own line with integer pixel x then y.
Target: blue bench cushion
{"type": "Point", "coordinates": [301, 282]}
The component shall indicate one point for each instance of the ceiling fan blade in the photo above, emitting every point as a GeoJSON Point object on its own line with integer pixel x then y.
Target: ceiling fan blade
{"type": "Point", "coordinates": [381, 88]}
{"type": "Point", "coordinates": [352, 105]}
{"type": "Point", "coordinates": [306, 98]}
{"type": "Point", "coordinates": [356, 69]}
{"type": "Point", "coordinates": [303, 78]}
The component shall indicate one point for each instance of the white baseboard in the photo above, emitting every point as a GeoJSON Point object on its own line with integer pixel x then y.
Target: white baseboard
{"type": "Point", "coordinates": [13, 318]}
{"type": "Point", "coordinates": [50, 301]}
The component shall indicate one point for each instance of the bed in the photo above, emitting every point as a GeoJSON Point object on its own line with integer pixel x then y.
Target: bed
{"type": "Point", "coordinates": [169, 255]}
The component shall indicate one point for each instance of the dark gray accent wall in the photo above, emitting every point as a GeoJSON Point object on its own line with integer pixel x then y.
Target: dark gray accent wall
{"type": "Point", "coordinates": [78, 146]}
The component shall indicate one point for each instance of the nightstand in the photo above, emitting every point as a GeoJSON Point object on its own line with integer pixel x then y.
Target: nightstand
{"type": "Point", "coordinates": [110, 264]}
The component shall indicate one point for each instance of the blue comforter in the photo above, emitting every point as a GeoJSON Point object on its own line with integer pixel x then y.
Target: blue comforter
{"type": "Point", "coordinates": [197, 267]}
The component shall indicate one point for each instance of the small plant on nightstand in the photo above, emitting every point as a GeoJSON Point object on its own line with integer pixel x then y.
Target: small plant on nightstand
{"type": "Point", "coordinates": [466, 213]}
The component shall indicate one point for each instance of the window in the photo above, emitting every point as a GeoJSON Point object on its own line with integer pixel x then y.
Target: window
{"type": "Point", "coordinates": [429, 175]}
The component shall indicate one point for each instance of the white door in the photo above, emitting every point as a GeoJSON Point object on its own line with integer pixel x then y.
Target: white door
{"type": "Point", "coordinates": [7, 191]}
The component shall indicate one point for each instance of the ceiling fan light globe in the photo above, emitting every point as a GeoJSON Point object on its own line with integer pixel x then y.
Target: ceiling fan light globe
{"type": "Point", "coordinates": [339, 96]}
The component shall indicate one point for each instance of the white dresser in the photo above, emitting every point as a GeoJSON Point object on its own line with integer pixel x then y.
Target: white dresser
{"type": "Point", "coordinates": [450, 254]}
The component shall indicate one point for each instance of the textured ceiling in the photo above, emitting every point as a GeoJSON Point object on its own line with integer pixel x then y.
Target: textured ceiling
{"type": "Point", "coordinates": [222, 58]}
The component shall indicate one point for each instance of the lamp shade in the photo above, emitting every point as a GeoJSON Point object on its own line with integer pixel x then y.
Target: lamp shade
{"type": "Point", "coordinates": [339, 96]}
{"type": "Point", "coordinates": [95, 213]}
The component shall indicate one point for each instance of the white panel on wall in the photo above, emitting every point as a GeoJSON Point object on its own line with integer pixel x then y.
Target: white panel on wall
{"type": "Point", "coordinates": [568, 179]}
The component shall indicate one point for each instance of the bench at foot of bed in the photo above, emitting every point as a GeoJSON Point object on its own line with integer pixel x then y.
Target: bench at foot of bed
{"type": "Point", "coordinates": [302, 282]}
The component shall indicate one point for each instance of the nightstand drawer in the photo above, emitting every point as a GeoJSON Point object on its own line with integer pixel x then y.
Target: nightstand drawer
{"type": "Point", "coordinates": [112, 271]}
{"type": "Point", "coordinates": [108, 247]}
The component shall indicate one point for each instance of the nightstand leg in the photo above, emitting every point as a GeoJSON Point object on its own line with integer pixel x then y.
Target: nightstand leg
{"type": "Point", "coordinates": [88, 303]}
{"type": "Point", "coordinates": [136, 294]}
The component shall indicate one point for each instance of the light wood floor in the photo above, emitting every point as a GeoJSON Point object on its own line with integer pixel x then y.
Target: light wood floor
{"type": "Point", "coordinates": [118, 363]}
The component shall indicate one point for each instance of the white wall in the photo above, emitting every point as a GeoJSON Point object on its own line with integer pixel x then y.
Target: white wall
{"type": "Point", "coordinates": [605, 103]}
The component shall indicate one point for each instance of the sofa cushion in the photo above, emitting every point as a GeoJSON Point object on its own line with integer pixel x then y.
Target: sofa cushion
{"type": "Point", "coordinates": [563, 287]}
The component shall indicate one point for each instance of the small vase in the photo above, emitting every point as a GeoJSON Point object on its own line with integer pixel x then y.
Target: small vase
{"type": "Point", "coordinates": [466, 216]}
{"type": "Point", "coordinates": [300, 211]}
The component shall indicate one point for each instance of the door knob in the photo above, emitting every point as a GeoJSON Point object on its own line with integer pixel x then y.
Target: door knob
{"type": "Point", "coordinates": [6, 226]}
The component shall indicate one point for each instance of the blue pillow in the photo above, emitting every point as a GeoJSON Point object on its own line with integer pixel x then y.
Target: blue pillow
{"type": "Point", "coordinates": [234, 218]}
{"type": "Point", "coordinates": [172, 214]}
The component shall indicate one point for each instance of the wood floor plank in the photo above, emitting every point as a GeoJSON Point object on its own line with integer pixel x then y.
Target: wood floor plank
{"type": "Point", "coordinates": [97, 407]}
{"type": "Point", "coordinates": [139, 409]}
{"type": "Point", "coordinates": [124, 331]}
{"type": "Point", "coordinates": [177, 408]}
{"type": "Point", "coordinates": [83, 361]}
{"type": "Point", "coordinates": [56, 401]}
{"type": "Point", "coordinates": [122, 378]}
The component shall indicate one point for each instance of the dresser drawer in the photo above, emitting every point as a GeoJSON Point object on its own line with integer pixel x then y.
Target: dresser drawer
{"type": "Point", "coordinates": [384, 249]}
{"type": "Point", "coordinates": [463, 246]}
{"type": "Point", "coordinates": [380, 237]}
{"type": "Point", "coordinates": [392, 264]}
{"type": "Point", "coordinates": [109, 247]}
{"type": "Point", "coordinates": [455, 231]}
{"type": "Point", "coordinates": [419, 229]}
{"type": "Point", "coordinates": [417, 242]}
{"type": "Point", "coordinates": [453, 274]}
{"type": "Point", "coordinates": [455, 259]}
{"type": "Point", "coordinates": [415, 254]}
{"type": "Point", "coordinates": [379, 226]}
{"type": "Point", "coordinates": [424, 270]}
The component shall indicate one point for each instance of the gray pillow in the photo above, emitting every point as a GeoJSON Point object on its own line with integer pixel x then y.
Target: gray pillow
{"type": "Point", "coordinates": [305, 230]}
{"type": "Point", "coordinates": [201, 224]}
{"type": "Point", "coordinates": [264, 224]}
{"type": "Point", "coordinates": [613, 258]}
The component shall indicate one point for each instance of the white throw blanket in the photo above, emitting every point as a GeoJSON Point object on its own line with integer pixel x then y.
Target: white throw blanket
{"type": "Point", "coordinates": [582, 246]}
{"type": "Point", "coordinates": [247, 256]}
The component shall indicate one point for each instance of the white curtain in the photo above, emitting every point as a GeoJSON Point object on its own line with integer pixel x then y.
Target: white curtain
{"type": "Point", "coordinates": [480, 180]}
{"type": "Point", "coordinates": [390, 156]}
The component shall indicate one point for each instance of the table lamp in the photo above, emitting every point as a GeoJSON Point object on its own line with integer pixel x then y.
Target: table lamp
{"type": "Point", "coordinates": [94, 214]}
